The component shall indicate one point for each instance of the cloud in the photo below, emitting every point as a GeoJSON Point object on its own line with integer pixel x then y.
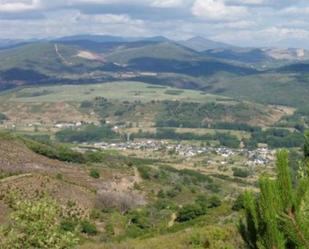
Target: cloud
{"type": "Point", "coordinates": [19, 6]}
{"type": "Point", "coordinates": [296, 11]}
{"type": "Point", "coordinates": [246, 2]}
{"type": "Point", "coordinates": [242, 22]}
{"type": "Point", "coordinates": [217, 10]}
{"type": "Point", "coordinates": [268, 37]}
{"type": "Point", "coordinates": [167, 3]}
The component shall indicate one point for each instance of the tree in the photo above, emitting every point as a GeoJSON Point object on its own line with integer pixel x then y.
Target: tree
{"type": "Point", "coordinates": [36, 225]}
{"type": "Point", "coordinates": [278, 218]}
{"type": "Point", "coordinates": [306, 146]}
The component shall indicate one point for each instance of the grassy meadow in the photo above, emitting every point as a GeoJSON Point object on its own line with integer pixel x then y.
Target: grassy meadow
{"type": "Point", "coordinates": [125, 91]}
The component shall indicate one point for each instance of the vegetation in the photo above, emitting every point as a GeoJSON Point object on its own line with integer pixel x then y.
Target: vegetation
{"type": "Point", "coordinates": [240, 172]}
{"type": "Point", "coordinates": [59, 152]}
{"type": "Point", "coordinates": [89, 133]}
{"type": "Point", "coordinates": [156, 198]}
{"type": "Point", "coordinates": [3, 117]}
{"type": "Point", "coordinates": [278, 217]}
{"type": "Point", "coordinates": [196, 115]}
{"type": "Point", "coordinates": [88, 228]}
{"type": "Point", "coordinates": [225, 139]}
{"type": "Point", "coordinates": [36, 225]}
{"type": "Point", "coordinates": [275, 138]}
{"type": "Point", "coordinates": [94, 173]}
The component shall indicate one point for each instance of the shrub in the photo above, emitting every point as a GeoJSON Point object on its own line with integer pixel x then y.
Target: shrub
{"type": "Point", "coordinates": [88, 228]}
{"type": "Point", "coordinates": [35, 225]}
{"type": "Point", "coordinates": [190, 212]}
{"type": "Point", "coordinates": [94, 173]}
{"type": "Point", "coordinates": [214, 201]}
{"type": "Point", "coordinates": [123, 201]}
{"type": "Point", "coordinates": [68, 225]}
{"type": "Point", "coordinates": [140, 219]}
{"type": "Point", "coordinates": [238, 203]}
{"type": "Point", "coordinates": [144, 172]}
{"type": "Point", "coordinates": [2, 117]}
{"type": "Point", "coordinates": [243, 173]}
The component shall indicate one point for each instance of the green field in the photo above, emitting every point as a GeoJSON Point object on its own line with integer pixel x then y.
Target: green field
{"type": "Point", "coordinates": [124, 91]}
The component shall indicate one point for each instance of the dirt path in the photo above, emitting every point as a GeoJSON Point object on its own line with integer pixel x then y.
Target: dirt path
{"type": "Point", "coordinates": [13, 178]}
{"type": "Point", "coordinates": [61, 56]}
{"type": "Point", "coordinates": [137, 176]}
{"type": "Point", "coordinates": [172, 221]}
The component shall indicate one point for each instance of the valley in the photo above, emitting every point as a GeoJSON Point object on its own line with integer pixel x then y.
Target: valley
{"type": "Point", "coordinates": [147, 143]}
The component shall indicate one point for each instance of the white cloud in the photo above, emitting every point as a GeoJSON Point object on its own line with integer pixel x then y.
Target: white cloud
{"type": "Point", "coordinates": [296, 10]}
{"type": "Point", "coordinates": [167, 3]}
{"type": "Point", "coordinates": [267, 37]}
{"type": "Point", "coordinates": [240, 22]}
{"type": "Point", "coordinates": [217, 10]}
{"type": "Point", "coordinates": [153, 3]}
{"type": "Point", "coordinates": [19, 6]}
{"type": "Point", "coordinates": [249, 2]}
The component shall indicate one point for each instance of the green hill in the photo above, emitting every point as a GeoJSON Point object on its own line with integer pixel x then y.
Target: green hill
{"type": "Point", "coordinates": [164, 50]}
{"type": "Point", "coordinates": [43, 57]}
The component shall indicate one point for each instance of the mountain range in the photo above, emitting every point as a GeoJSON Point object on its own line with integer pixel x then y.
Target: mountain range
{"type": "Point", "coordinates": [196, 63]}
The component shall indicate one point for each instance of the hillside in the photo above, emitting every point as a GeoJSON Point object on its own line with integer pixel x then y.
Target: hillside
{"type": "Point", "coordinates": [164, 50]}
{"type": "Point", "coordinates": [248, 74]}
{"type": "Point", "coordinates": [202, 44]}
{"type": "Point", "coordinates": [242, 55]}
{"type": "Point", "coordinates": [126, 194]}
{"type": "Point", "coordinates": [90, 61]}
{"type": "Point", "coordinates": [131, 102]}
{"type": "Point", "coordinates": [290, 89]}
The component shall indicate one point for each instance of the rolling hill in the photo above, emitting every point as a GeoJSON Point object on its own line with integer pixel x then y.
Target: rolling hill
{"type": "Point", "coordinates": [200, 44]}
{"type": "Point", "coordinates": [92, 61]}
{"type": "Point", "coordinates": [263, 58]}
{"type": "Point", "coordinates": [267, 75]}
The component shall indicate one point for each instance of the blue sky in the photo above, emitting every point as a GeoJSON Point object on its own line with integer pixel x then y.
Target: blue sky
{"type": "Point", "coordinates": [266, 23]}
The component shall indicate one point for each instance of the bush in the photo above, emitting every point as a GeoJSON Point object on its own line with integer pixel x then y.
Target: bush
{"type": "Point", "coordinates": [88, 228]}
{"type": "Point", "coordinates": [144, 172]}
{"type": "Point", "coordinates": [140, 219]}
{"type": "Point", "coordinates": [214, 201]}
{"type": "Point", "coordinates": [94, 173]}
{"type": "Point", "coordinates": [202, 201]}
{"type": "Point", "coordinates": [68, 225]}
{"type": "Point", "coordinates": [2, 117]}
{"type": "Point", "coordinates": [238, 203]}
{"type": "Point", "coordinates": [190, 212]}
{"type": "Point", "coordinates": [35, 225]}
{"type": "Point", "coordinates": [243, 173]}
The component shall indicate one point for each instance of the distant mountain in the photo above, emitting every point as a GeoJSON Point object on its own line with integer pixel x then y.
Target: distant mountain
{"type": "Point", "coordinates": [262, 58]}
{"type": "Point", "coordinates": [8, 43]}
{"type": "Point", "coordinates": [110, 39]}
{"type": "Point", "coordinates": [200, 44]}
{"type": "Point", "coordinates": [245, 55]}
{"type": "Point", "coordinates": [44, 61]}
{"type": "Point", "coordinates": [162, 50]}
{"type": "Point", "coordinates": [287, 53]}
{"type": "Point", "coordinates": [88, 61]}
{"type": "Point", "coordinates": [295, 68]}
{"type": "Point", "coordinates": [94, 38]}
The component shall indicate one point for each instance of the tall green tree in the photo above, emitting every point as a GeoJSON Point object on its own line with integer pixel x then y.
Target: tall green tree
{"type": "Point", "coordinates": [278, 217]}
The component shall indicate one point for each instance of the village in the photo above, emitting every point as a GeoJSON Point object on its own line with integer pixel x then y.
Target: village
{"type": "Point", "coordinates": [260, 156]}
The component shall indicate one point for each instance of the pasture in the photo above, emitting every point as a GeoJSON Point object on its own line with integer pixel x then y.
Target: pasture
{"type": "Point", "coordinates": [123, 91]}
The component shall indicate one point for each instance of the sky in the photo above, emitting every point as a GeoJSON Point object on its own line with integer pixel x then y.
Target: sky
{"type": "Point", "coordinates": [249, 23]}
